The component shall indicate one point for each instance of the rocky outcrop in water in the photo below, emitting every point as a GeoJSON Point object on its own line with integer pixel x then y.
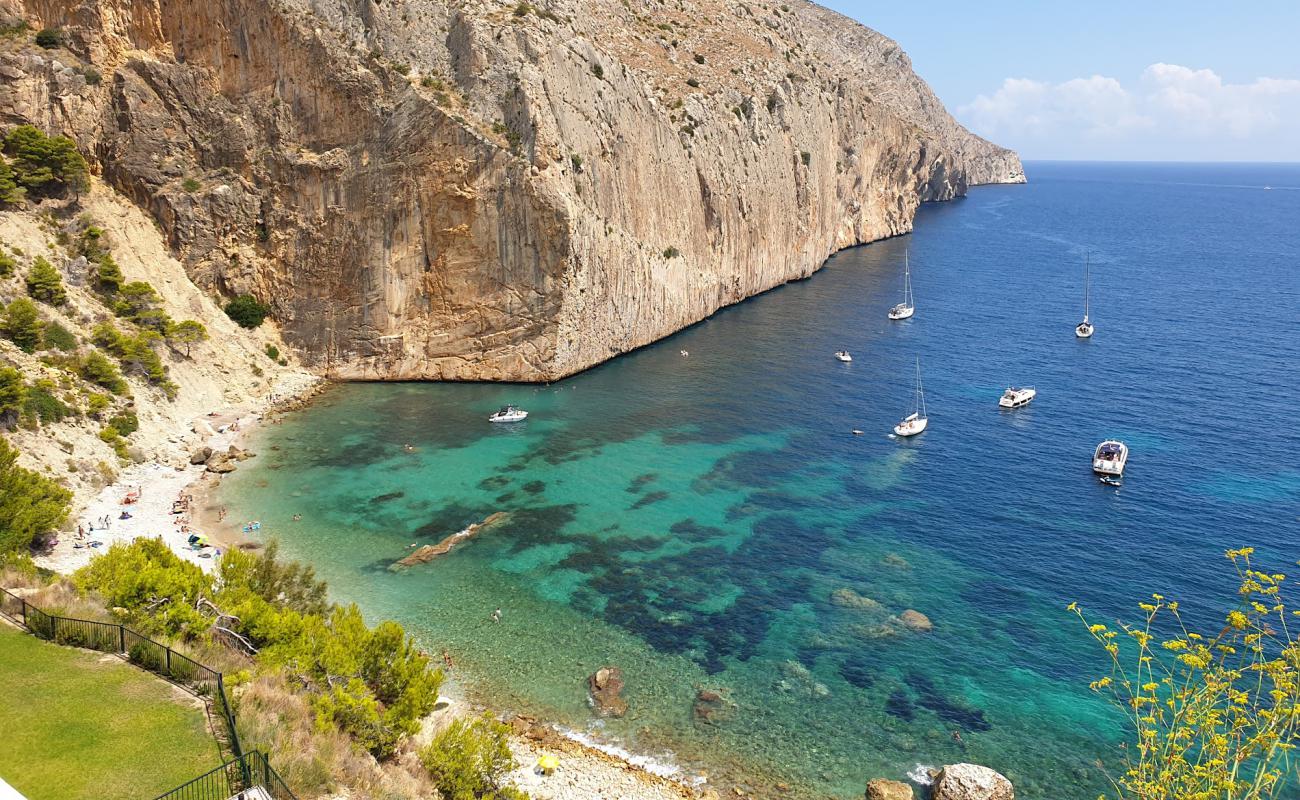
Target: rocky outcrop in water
{"type": "Point", "coordinates": [605, 687]}
{"type": "Point", "coordinates": [485, 190]}
{"type": "Point", "coordinates": [881, 789]}
{"type": "Point", "coordinates": [971, 782]}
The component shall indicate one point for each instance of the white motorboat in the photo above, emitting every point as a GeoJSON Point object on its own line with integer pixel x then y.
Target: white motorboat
{"type": "Point", "coordinates": [1015, 398]}
{"type": "Point", "coordinates": [906, 308]}
{"type": "Point", "coordinates": [843, 355]}
{"type": "Point", "coordinates": [509, 414]}
{"type": "Point", "coordinates": [1084, 329]}
{"type": "Point", "coordinates": [915, 422]}
{"type": "Point", "coordinates": [1110, 458]}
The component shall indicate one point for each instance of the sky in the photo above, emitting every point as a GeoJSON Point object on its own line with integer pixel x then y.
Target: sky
{"type": "Point", "coordinates": [1103, 80]}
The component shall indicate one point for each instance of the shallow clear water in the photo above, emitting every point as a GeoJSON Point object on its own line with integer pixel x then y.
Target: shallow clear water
{"type": "Point", "coordinates": [688, 518]}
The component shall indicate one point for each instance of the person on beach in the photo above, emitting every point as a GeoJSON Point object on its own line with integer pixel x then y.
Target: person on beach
{"type": "Point", "coordinates": [496, 615]}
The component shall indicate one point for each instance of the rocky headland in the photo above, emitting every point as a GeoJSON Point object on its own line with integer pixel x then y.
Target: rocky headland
{"type": "Point", "coordinates": [483, 190]}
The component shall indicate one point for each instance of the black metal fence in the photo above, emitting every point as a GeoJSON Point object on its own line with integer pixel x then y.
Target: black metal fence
{"type": "Point", "coordinates": [108, 637]}
{"type": "Point", "coordinates": [231, 778]}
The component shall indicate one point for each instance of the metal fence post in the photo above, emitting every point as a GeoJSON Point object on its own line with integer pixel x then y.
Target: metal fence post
{"type": "Point", "coordinates": [121, 638]}
{"type": "Point", "coordinates": [169, 661]}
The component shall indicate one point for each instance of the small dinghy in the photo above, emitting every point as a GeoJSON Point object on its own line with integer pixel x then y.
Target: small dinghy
{"type": "Point", "coordinates": [509, 414]}
{"type": "Point", "coordinates": [843, 355]}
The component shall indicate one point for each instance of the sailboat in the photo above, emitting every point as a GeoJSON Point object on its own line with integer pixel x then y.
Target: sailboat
{"type": "Point", "coordinates": [1084, 329]}
{"type": "Point", "coordinates": [906, 308]}
{"type": "Point", "coordinates": [915, 422]}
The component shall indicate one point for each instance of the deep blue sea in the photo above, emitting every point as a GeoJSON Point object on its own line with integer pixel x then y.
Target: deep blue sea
{"type": "Point", "coordinates": [689, 518]}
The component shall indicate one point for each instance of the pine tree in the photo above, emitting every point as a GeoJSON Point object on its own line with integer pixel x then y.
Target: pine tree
{"type": "Point", "coordinates": [22, 324]}
{"type": "Point", "coordinates": [30, 504]}
{"type": "Point", "coordinates": [11, 194]}
{"type": "Point", "coordinates": [45, 284]}
{"type": "Point", "coordinates": [108, 275]}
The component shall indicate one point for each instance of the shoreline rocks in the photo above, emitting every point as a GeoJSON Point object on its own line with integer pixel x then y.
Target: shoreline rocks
{"type": "Point", "coordinates": [971, 782]}
{"type": "Point", "coordinates": [882, 789]}
{"type": "Point", "coordinates": [605, 687]}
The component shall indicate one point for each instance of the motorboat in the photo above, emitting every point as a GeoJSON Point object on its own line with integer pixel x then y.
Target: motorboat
{"type": "Point", "coordinates": [509, 414]}
{"type": "Point", "coordinates": [915, 422]}
{"type": "Point", "coordinates": [906, 308]}
{"type": "Point", "coordinates": [843, 355]}
{"type": "Point", "coordinates": [1110, 458]}
{"type": "Point", "coordinates": [1084, 329]}
{"type": "Point", "coordinates": [1015, 398]}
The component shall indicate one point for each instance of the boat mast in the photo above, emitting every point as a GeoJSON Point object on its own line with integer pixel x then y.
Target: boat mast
{"type": "Point", "coordinates": [1087, 276]}
{"type": "Point", "coordinates": [920, 392]}
{"type": "Point", "coordinates": [907, 281]}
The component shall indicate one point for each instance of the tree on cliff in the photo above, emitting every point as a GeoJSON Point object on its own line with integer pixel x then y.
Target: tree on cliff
{"type": "Point", "coordinates": [45, 283]}
{"type": "Point", "coordinates": [1215, 716]}
{"type": "Point", "coordinates": [22, 325]}
{"type": "Point", "coordinates": [247, 310]}
{"type": "Point", "coordinates": [108, 275]}
{"type": "Point", "coordinates": [185, 333]}
{"type": "Point", "coordinates": [11, 194]}
{"type": "Point", "coordinates": [30, 504]}
{"type": "Point", "coordinates": [47, 166]}
{"type": "Point", "coordinates": [13, 393]}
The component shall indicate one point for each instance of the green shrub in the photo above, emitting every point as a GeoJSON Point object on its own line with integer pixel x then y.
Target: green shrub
{"type": "Point", "coordinates": [598, 71]}
{"type": "Point", "coordinates": [191, 185]}
{"type": "Point", "coordinates": [49, 38]}
{"type": "Point", "coordinates": [523, 10]}
{"type": "Point", "coordinates": [247, 310]}
{"type": "Point", "coordinates": [805, 157]}
{"type": "Point", "coordinates": [109, 436]}
{"type": "Point", "coordinates": [60, 338]}
{"type": "Point", "coordinates": [108, 275]}
{"type": "Point", "coordinates": [672, 252]}
{"type": "Point", "coordinates": [147, 656]}
{"type": "Point", "coordinates": [576, 161]}
{"type": "Point", "coordinates": [138, 302]}
{"type": "Point", "coordinates": [30, 504]}
{"type": "Point", "coordinates": [46, 165]}
{"type": "Point", "coordinates": [43, 406]}
{"type": "Point", "coordinates": [470, 759]}
{"type": "Point", "coordinates": [125, 422]}
{"type": "Point", "coordinates": [97, 403]}
{"type": "Point", "coordinates": [272, 352]}
{"type": "Point", "coordinates": [45, 283]}
{"type": "Point", "coordinates": [22, 325]}
{"type": "Point", "coordinates": [13, 394]}
{"type": "Point", "coordinates": [100, 371]}
{"type": "Point", "coordinates": [92, 76]}
{"type": "Point", "coordinates": [135, 353]}
{"type": "Point", "coordinates": [7, 264]}
{"type": "Point", "coordinates": [401, 68]}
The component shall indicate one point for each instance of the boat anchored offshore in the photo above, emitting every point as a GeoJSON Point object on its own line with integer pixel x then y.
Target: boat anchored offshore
{"type": "Point", "coordinates": [509, 414]}
{"type": "Point", "coordinates": [1015, 398]}
{"type": "Point", "coordinates": [906, 308]}
{"type": "Point", "coordinates": [1084, 329]}
{"type": "Point", "coordinates": [915, 422]}
{"type": "Point", "coordinates": [843, 355]}
{"type": "Point", "coordinates": [1110, 458]}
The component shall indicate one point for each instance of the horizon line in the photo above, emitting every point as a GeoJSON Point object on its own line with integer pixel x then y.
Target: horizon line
{"type": "Point", "coordinates": [1155, 161]}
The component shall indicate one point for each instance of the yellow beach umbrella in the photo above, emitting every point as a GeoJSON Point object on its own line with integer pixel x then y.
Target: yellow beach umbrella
{"type": "Point", "coordinates": [548, 763]}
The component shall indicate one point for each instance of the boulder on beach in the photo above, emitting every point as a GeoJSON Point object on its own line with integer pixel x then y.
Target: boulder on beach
{"type": "Point", "coordinates": [606, 689]}
{"type": "Point", "coordinates": [845, 597]}
{"type": "Point", "coordinates": [916, 621]}
{"type": "Point", "coordinates": [971, 782]}
{"type": "Point", "coordinates": [881, 789]}
{"type": "Point", "coordinates": [201, 455]}
{"type": "Point", "coordinates": [220, 463]}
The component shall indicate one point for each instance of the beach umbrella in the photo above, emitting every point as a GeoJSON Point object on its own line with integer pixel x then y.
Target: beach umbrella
{"type": "Point", "coordinates": [548, 764]}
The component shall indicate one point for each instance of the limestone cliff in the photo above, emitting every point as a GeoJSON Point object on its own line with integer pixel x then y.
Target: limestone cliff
{"type": "Point", "coordinates": [475, 189]}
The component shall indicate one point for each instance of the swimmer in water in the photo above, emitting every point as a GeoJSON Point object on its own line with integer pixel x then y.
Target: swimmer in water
{"type": "Point", "coordinates": [496, 615]}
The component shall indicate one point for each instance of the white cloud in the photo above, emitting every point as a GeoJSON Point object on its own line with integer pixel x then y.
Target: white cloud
{"type": "Point", "coordinates": [1170, 111]}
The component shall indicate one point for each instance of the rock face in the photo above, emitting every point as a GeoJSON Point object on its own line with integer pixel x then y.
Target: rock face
{"type": "Point", "coordinates": [881, 789]}
{"type": "Point", "coordinates": [450, 189]}
{"type": "Point", "coordinates": [971, 782]}
{"type": "Point", "coordinates": [606, 688]}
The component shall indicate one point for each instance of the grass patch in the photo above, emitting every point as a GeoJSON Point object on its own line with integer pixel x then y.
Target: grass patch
{"type": "Point", "coordinates": [86, 725]}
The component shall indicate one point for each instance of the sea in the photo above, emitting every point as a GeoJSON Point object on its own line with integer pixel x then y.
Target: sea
{"type": "Point", "coordinates": [701, 514]}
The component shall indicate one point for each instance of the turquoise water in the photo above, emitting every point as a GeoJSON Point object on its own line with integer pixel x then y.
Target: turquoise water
{"type": "Point", "coordinates": [688, 519]}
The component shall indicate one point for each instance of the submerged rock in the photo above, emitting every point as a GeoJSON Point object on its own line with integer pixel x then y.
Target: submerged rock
{"type": "Point", "coordinates": [916, 621]}
{"type": "Point", "coordinates": [971, 782]}
{"type": "Point", "coordinates": [845, 597]}
{"type": "Point", "coordinates": [606, 689]}
{"type": "Point", "coordinates": [896, 561]}
{"type": "Point", "coordinates": [711, 708]}
{"type": "Point", "coordinates": [881, 789]}
{"type": "Point", "coordinates": [431, 551]}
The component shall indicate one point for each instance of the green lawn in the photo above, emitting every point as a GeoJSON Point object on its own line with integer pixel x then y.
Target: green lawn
{"type": "Point", "coordinates": [79, 724]}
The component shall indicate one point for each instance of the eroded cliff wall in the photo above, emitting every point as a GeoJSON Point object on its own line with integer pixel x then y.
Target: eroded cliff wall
{"type": "Point", "coordinates": [491, 190]}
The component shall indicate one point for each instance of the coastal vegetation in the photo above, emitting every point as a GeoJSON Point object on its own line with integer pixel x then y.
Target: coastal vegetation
{"type": "Point", "coordinates": [30, 503]}
{"type": "Point", "coordinates": [247, 310]}
{"type": "Point", "coordinates": [329, 697]}
{"type": "Point", "coordinates": [1214, 715]}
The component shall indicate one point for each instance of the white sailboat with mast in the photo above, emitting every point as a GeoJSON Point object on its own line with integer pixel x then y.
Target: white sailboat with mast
{"type": "Point", "coordinates": [906, 308]}
{"type": "Point", "coordinates": [1084, 329]}
{"type": "Point", "coordinates": [915, 422]}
